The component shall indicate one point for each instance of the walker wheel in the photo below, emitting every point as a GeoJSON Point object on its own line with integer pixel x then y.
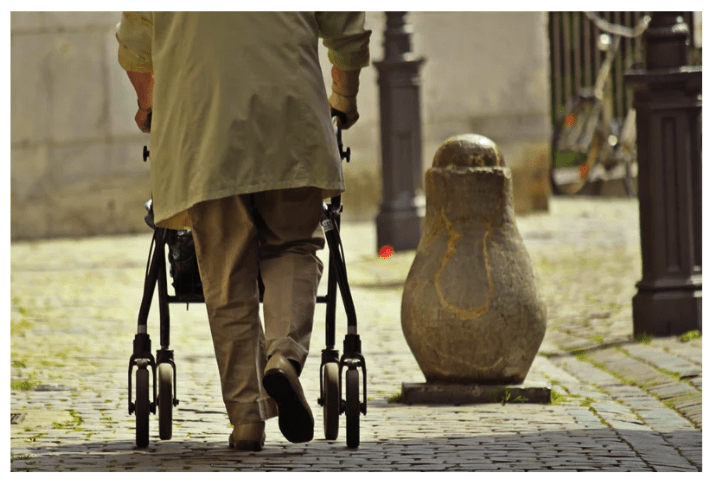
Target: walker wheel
{"type": "Point", "coordinates": [142, 407]}
{"type": "Point", "coordinates": [352, 408]}
{"type": "Point", "coordinates": [331, 400]}
{"type": "Point", "coordinates": [165, 400]}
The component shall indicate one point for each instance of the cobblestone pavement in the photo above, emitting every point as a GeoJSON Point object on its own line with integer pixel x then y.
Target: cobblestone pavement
{"type": "Point", "coordinates": [619, 404]}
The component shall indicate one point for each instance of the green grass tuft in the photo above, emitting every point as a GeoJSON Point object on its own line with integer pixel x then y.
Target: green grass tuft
{"type": "Point", "coordinates": [691, 335]}
{"type": "Point", "coordinates": [557, 398]}
{"type": "Point", "coordinates": [396, 398]}
{"type": "Point", "coordinates": [644, 338]}
{"type": "Point", "coordinates": [23, 384]}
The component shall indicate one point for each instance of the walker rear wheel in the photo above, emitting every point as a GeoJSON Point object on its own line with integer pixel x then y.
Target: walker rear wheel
{"type": "Point", "coordinates": [165, 400]}
{"type": "Point", "coordinates": [331, 400]}
{"type": "Point", "coordinates": [142, 407]}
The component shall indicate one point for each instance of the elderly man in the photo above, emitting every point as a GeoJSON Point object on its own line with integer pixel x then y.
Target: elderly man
{"type": "Point", "coordinates": [243, 154]}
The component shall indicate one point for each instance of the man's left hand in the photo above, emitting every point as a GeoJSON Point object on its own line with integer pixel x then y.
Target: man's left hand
{"type": "Point", "coordinates": [143, 84]}
{"type": "Point", "coordinates": [143, 119]}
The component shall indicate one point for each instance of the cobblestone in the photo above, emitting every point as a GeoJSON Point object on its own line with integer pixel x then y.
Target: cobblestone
{"type": "Point", "coordinates": [73, 308]}
{"type": "Point", "coordinates": [660, 359]}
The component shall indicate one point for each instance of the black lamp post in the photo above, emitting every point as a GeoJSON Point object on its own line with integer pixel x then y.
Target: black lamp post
{"type": "Point", "coordinates": [668, 104]}
{"type": "Point", "coordinates": [398, 224]}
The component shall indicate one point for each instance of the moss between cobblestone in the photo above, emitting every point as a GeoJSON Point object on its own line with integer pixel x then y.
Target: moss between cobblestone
{"type": "Point", "coordinates": [49, 363]}
{"type": "Point", "coordinates": [23, 385]}
{"type": "Point", "coordinates": [503, 395]}
{"type": "Point", "coordinates": [20, 457]}
{"type": "Point", "coordinates": [73, 424]}
{"type": "Point", "coordinates": [672, 402]}
{"type": "Point", "coordinates": [36, 437]}
{"type": "Point", "coordinates": [396, 398]}
{"type": "Point", "coordinates": [674, 375]}
{"type": "Point", "coordinates": [557, 398]}
{"type": "Point", "coordinates": [608, 393]}
{"type": "Point", "coordinates": [20, 327]}
{"type": "Point", "coordinates": [644, 338]}
{"type": "Point", "coordinates": [580, 355]}
{"type": "Point", "coordinates": [601, 419]}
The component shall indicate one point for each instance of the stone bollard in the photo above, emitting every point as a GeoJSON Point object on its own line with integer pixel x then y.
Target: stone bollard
{"type": "Point", "coordinates": [471, 308]}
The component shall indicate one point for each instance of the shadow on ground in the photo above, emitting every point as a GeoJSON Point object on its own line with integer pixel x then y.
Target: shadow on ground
{"type": "Point", "coordinates": [572, 450]}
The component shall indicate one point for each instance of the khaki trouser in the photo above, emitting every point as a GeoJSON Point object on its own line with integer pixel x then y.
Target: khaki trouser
{"type": "Point", "coordinates": [278, 232]}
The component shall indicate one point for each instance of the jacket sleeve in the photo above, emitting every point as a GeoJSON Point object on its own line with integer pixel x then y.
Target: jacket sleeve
{"type": "Point", "coordinates": [345, 37]}
{"type": "Point", "coordinates": [134, 34]}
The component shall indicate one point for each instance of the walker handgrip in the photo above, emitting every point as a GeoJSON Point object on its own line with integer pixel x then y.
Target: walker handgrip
{"type": "Point", "coordinates": [339, 115]}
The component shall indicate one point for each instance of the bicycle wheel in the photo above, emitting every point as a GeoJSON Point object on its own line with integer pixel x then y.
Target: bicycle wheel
{"type": "Point", "coordinates": [576, 145]}
{"type": "Point", "coordinates": [142, 407]}
{"type": "Point", "coordinates": [165, 401]}
{"type": "Point", "coordinates": [352, 408]}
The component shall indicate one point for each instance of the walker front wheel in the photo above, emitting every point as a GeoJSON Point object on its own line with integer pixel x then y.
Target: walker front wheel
{"type": "Point", "coordinates": [331, 400]}
{"type": "Point", "coordinates": [352, 407]}
{"type": "Point", "coordinates": [165, 400]}
{"type": "Point", "coordinates": [142, 407]}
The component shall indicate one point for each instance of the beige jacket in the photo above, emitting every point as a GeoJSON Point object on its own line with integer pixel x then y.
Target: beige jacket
{"type": "Point", "coordinates": [239, 102]}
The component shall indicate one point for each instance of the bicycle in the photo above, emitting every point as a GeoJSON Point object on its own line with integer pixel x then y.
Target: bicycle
{"type": "Point", "coordinates": [588, 144]}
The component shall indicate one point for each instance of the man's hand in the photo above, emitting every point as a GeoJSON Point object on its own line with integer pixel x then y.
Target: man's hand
{"type": "Point", "coordinates": [143, 84]}
{"type": "Point", "coordinates": [347, 106]}
{"type": "Point", "coordinates": [143, 119]}
{"type": "Point", "coordinates": [345, 87]}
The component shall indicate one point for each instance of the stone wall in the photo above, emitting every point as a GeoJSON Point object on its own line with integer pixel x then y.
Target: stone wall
{"type": "Point", "coordinates": [485, 73]}
{"type": "Point", "coordinates": [76, 166]}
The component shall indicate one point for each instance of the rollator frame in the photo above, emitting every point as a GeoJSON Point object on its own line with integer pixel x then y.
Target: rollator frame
{"type": "Point", "coordinates": [162, 369]}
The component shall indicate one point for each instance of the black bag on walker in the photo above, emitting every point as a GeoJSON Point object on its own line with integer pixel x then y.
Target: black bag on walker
{"type": "Point", "coordinates": [181, 256]}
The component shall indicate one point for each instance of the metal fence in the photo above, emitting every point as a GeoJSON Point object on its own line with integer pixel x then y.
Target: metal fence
{"type": "Point", "coordinates": [575, 58]}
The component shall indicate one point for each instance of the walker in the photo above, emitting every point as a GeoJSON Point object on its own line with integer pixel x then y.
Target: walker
{"type": "Point", "coordinates": [160, 396]}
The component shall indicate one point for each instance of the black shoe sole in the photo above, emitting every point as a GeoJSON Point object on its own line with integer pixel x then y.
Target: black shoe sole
{"type": "Point", "coordinates": [295, 419]}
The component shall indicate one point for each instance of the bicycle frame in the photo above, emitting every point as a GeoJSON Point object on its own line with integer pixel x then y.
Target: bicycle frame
{"type": "Point", "coordinates": [587, 132]}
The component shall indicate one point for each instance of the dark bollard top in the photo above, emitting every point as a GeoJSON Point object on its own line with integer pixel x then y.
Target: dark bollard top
{"type": "Point", "coordinates": [468, 150]}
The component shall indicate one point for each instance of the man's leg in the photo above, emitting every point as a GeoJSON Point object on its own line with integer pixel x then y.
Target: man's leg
{"type": "Point", "coordinates": [290, 235]}
{"type": "Point", "coordinates": [226, 247]}
{"type": "Point", "coordinates": [288, 223]}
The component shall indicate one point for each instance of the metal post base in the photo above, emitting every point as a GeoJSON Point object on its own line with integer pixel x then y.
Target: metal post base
{"type": "Point", "coordinates": [663, 313]}
{"type": "Point", "coordinates": [400, 229]}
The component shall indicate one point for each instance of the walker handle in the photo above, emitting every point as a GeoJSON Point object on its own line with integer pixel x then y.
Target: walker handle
{"type": "Point", "coordinates": [339, 117]}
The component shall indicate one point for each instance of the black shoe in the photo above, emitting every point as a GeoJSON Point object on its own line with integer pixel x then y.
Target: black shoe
{"type": "Point", "coordinates": [295, 416]}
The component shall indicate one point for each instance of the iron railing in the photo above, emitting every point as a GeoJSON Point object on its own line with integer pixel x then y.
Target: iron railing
{"type": "Point", "coordinates": [575, 58]}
